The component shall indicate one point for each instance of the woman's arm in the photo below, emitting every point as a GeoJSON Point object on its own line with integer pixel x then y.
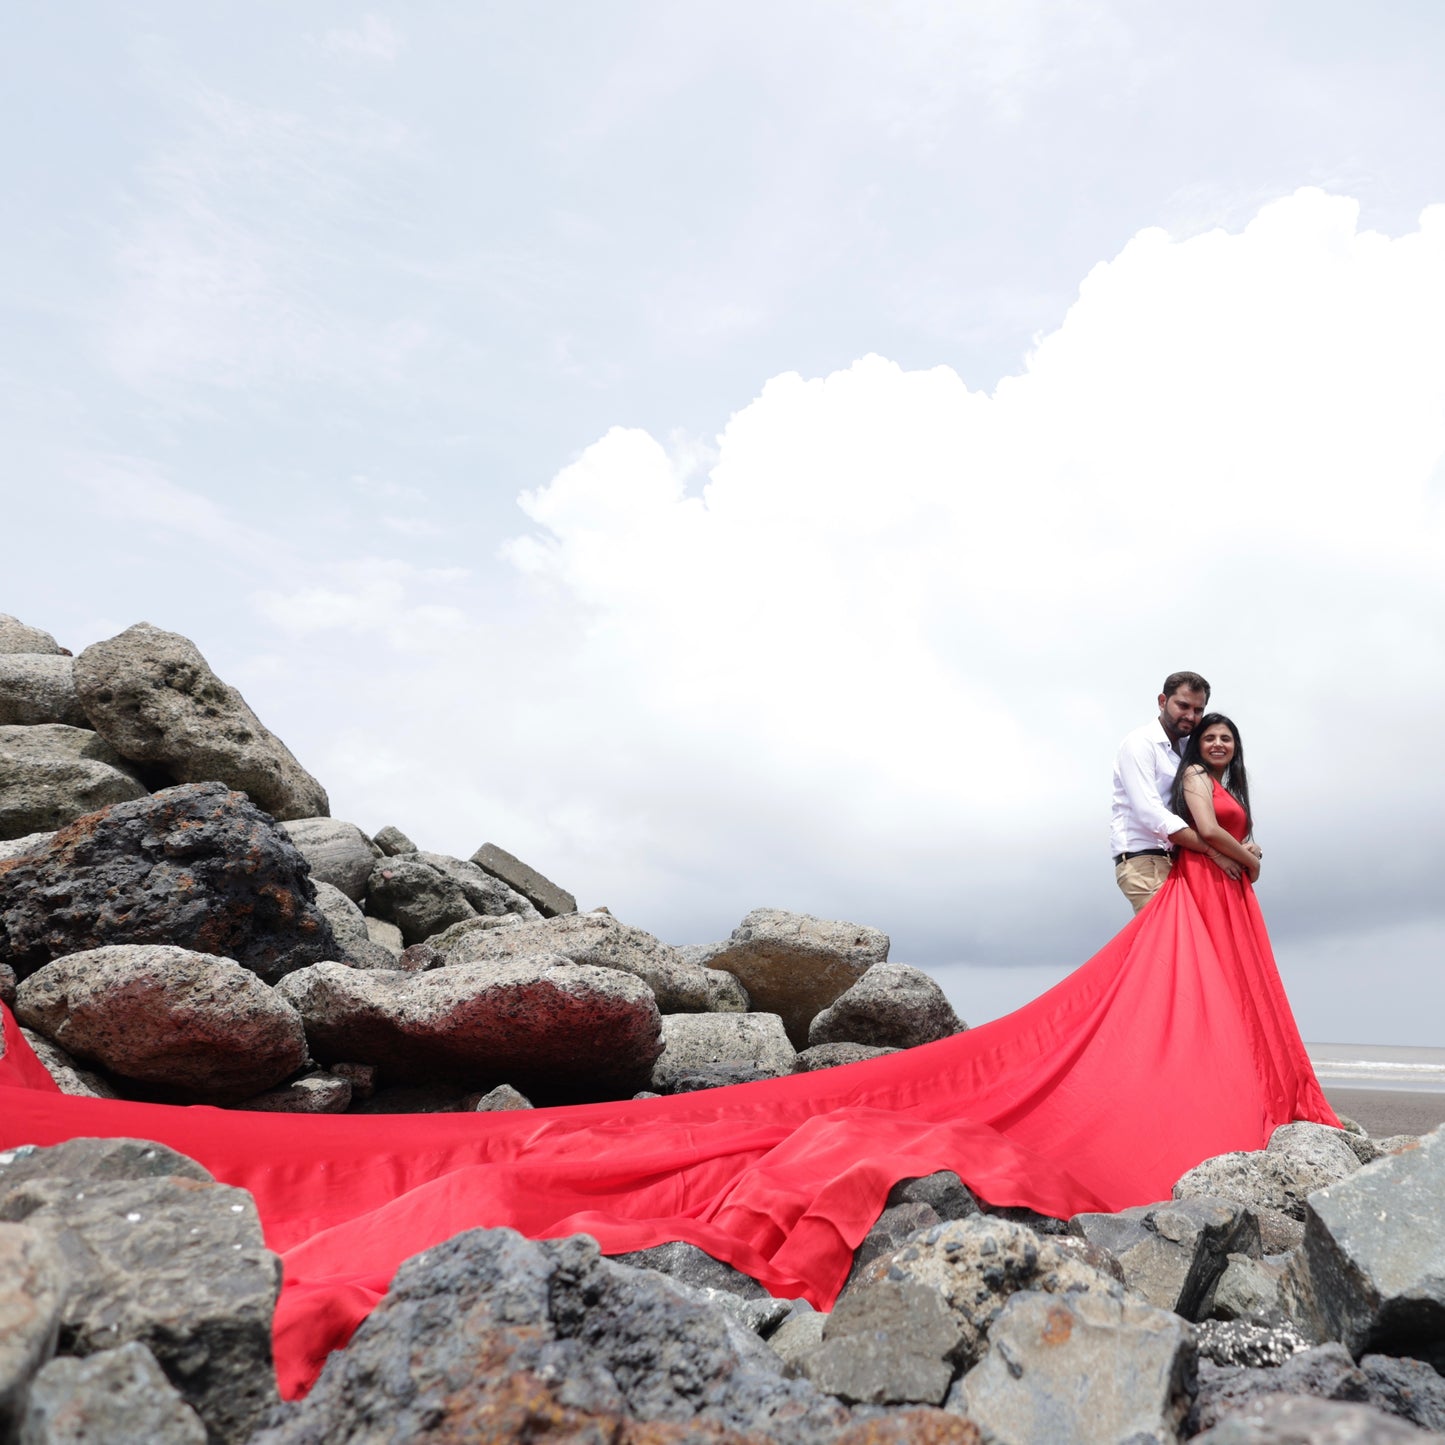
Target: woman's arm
{"type": "Point", "coordinates": [1199, 793]}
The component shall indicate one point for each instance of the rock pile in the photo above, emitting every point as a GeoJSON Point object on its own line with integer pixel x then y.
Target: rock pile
{"type": "Point", "coordinates": [180, 919]}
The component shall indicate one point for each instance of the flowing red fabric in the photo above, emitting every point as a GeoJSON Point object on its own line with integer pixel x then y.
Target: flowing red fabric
{"type": "Point", "coordinates": [1173, 1043]}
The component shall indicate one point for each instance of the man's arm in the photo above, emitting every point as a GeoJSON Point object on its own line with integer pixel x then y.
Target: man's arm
{"type": "Point", "coordinates": [1140, 782]}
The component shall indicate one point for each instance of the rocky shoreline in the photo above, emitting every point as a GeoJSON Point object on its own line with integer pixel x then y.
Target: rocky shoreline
{"type": "Point", "coordinates": [182, 921]}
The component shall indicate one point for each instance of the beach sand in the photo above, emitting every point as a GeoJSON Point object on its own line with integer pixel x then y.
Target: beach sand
{"type": "Point", "coordinates": [1382, 1112]}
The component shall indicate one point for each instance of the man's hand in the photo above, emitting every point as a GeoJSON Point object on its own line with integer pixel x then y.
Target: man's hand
{"type": "Point", "coordinates": [1227, 866]}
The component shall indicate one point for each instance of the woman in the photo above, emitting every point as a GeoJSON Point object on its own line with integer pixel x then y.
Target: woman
{"type": "Point", "coordinates": [1173, 1043]}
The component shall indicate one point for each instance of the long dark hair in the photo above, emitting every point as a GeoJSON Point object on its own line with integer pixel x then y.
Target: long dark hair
{"type": "Point", "coordinates": [1236, 781]}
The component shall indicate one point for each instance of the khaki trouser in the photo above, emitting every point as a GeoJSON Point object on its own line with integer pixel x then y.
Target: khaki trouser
{"type": "Point", "coordinates": [1139, 879]}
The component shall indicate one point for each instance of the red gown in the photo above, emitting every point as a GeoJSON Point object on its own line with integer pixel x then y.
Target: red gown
{"type": "Point", "coordinates": [1173, 1043]}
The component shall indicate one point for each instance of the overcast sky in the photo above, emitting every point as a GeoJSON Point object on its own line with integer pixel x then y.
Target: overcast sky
{"type": "Point", "coordinates": [768, 454]}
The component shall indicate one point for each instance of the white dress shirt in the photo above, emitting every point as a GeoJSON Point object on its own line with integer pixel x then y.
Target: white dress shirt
{"type": "Point", "coordinates": [1143, 777]}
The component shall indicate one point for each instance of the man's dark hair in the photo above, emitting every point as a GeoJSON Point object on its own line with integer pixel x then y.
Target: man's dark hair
{"type": "Point", "coordinates": [1191, 680]}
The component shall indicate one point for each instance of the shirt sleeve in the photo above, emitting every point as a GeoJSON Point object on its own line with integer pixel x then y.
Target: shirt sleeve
{"type": "Point", "coordinates": [1140, 781]}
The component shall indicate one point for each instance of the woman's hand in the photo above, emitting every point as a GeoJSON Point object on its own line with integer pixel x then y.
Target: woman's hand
{"type": "Point", "coordinates": [1253, 872]}
{"type": "Point", "coordinates": [1227, 866]}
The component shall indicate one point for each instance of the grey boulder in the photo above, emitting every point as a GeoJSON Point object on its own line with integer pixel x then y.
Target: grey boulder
{"type": "Point", "coordinates": [392, 841]}
{"type": "Point", "coordinates": [154, 698]}
{"type": "Point", "coordinates": [197, 1027]}
{"type": "Point", "coordinates": [120, 1397]}
{"type": "Point", "coordinates": [39, 688]}
{"type": "Point", "coordinates": [600, 941]}
{"type": "Point", "coordinates": [69, 1077]}
{"type": "Point", "coordinates": [338, 853]}
{"type": "Point", "coordinates": [694, 1267]}
{"type": "Point", "coordinates": [315, 1093]}
{"type": "Point", "coordinates": [697, 1041]}
{"type": "Point", "coordinates": [34, 1280]}
{"type": "Point", "coordinates": [795, 965]}
{"type": "Point", "coordinates": [1172, 1253]}
{"type": "Point", "coordinates": [51, 774]}
{"type": "Point", "coordinates": [1299, 1159]}
{"type": "Point", "coordinates": [16, 636]}
{"type": "Point", "coordinates": [541, 1023]}
{"type": "Point", "coordinates": [1301, 1420]}
{"type": "Point", "coordinates": [548, 899]}
{"type": "Point", "coordinates": [1087, 1368]}
{"type": "Point", "coordinates": [833, 1056]}
{"type": "Point", "coordinates": [173, 1263]}
{"type": "Point", "coordinates": [1374, 1249]}
{"type": "Point", "coordinates": [891, 1006]}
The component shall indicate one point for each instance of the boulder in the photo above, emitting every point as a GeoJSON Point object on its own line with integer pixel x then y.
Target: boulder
{"type": "Point", "coordinates": [34, 1280]}
{"type": "Point", "coordinates": [420, 900]}
{"type": "Point", "coordinates": [152, 696]}
{"type": "Point", "coordinates": [120, 1396]}
{"type": "Point", "coordinates": [892, 1344]}
{"type": "Point", "coordinates": [694, 1041]}
{"type": "Point", "coordinates": [1327, 1373]}
{"type": "Point", "coordinates": [392, 841]}
{"type": "Point", "coordinates": [348, 922]}
{"type": "Point", "coordinates": [37, 687]}
{"type": "Point", "coordinates": [15, 636]}
{"type": "Point", "coordinates": [69, 1077]}
{"type": "Point", "coordinates": [545, 896]}
{"type": "Point", "coordinates": [1300, 1420]}
{"type": "Point", "coordinates": [338, 853]}
{"type": "Point", "coordinates": [725, 995]}
{"type": "Point", "coordinates": [795, 965]}
{"type": "Point", "coordinates": [51, 774]}
{"type": "Point", "coordinates": [26, 843]}
{"type": "Point", "coordinates": [501, 1100]}
{"type": "Point", "coordinates": [488, 896]}
{"type": "Point", "coordinates": [315, 1093]}
{"type": "Point", "coordinates": [833, 1056]}
{"type": "Point", "coordinates": [944, 1193]}
{"type": "Point", "coordinates": [891, 1006]}
{"type": "Point", "coordinates": [7, 993]}
{"type": "Point", "coordinates": [599, 940]}
{"type": "Point", "coordinates": [1374, 1250]}
{"type": "Point", "coordinates": [694, 1267]}
{"type": "Point", "coordinates": [190, 1025]}
{"type": "Point", "coordinates": [492, 1336]}
{"type": "Point", "coordinates": [1253, 1290]}
{"type": "Point", "coordinates": [896, 1224]}
{"type": "Point", "coordinates": [196, 866]}
{"type": "Point", "coordinates": [797, 1338]}
{"type": "Point", "coordinates": [1091, 1369]}
{"type": "Point", "coordinates": [96, 1161]}
{"type": "Point", "coordinates": [1407, 1388]}
{"type": "Point", "coordinates": [976, 1264]}
{"type": "Point", "coordinates": [542, 1024]}
{"type": "Point", "coordinates": [1172, 1253]}
{"type": "Point", "coordinates": [1299, 1159]}
{"type": "Point", "coordinates": [388, 935]}
{"type": "Point", "coordinates": [175, 1264]}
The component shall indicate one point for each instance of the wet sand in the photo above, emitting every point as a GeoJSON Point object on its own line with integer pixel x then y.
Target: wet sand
{"type": "Point", "coordinates": [1386, 1088]}
{"type": "Point", "coordinates": [1382, 1112]}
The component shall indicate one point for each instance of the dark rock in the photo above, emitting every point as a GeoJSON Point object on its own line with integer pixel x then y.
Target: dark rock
{"type": "Point", "coordinates": [419, 899]}
{"type": "Point", "coordinates": [52, 774]}
{"type": "Point", "coordinates": [896, 1224]}
{"type": "Point", "coordinates": [119, 1397]}
{"type": "Point", "coordinates": [197, 1027]}
{"type": "Point", "coordinates": [944, 1192]}
{"type": "Point", "coordinates": [715, 1076]}
{"type": "Point", "coordinates": [153, 697]}
{"type": "Point", "coordinates": [34, 1280]}
{"type": "Point", "coordinates": [39, 688]}
{"type": "Point", "coordinates": [501, 1099]}
{"type": "Point", "coordinates": [8, 983]}
{"type": "Point", "coordinates": [1239, 1342]}
{"type": "Point", "coordinates": [544, 895]}
{"type": "Point", "coordinates": [1090, 1369]}
{"type": "Point", "coordinates": [1299, 1420]}
{"type": "Point", "coordinates": [173, 1263]}
{"type": "Point", "coordinates": [493, 1337]}
{"type": "Point", "coordinates": [1407, 1388]}
{"type": "Point", "coordinates": [337, 853]}
{"type": "Point", "coordinates": [795, 965]}
{"type": "Point", "coordinates": [1374, 1250]}
{"type": "Point", "coordinates": [833, 1056]}
{"type": "Point", "coordinates": [1253, 1290]}
{"type": "Point", "coordinates": [97, 1161]}
{"type": "Point", "coordinates": [689, 1265]}
{"type": "Point", "coordinates": [701, 1043]}
{"type": "Point", "coordinates": [195, 866]}
{"type": "Point", "coordinates": [314, 1093]}
{"type": "Point", "coordinates": [544, 1024]}
{"type": "Point", "coordinates": [419, 957]}
{"type": "Point", "coordinates": [392, 841]}
{"type": "Point", "coordinates": [1326, 1372]}
{"type": "Point", "coordinates": [1172, 1253]}
{"type": "Point", "coordinates": [599, 940]}
{"type": "Point", "coordinates": [892, 1005]}
{"type": "Point", "coordinates": [361, 1077]}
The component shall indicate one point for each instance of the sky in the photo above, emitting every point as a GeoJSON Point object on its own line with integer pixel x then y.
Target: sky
{"type": "Point", "coordinates": [740, 455]}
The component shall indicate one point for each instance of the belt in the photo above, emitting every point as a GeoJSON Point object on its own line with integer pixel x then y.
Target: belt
{"type": "Point", "coordinates": [1143, 853]}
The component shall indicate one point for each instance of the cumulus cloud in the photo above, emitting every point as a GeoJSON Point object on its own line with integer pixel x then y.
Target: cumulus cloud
{"type": "Point", "coordinates": [877, 663]}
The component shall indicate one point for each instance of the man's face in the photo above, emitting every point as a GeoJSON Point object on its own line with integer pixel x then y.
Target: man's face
{"type": "Point", "coordinates": [1180, 711]}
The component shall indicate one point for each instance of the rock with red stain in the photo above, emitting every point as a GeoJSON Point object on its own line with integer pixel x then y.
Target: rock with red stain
{"type": "Point", "coordinates": [198, 866]}
{"type": "Point", "coordinates": [199, 1028]}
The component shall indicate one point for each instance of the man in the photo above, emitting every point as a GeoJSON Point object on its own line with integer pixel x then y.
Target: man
{"type": "Point", "coordinates": [1143, 832]}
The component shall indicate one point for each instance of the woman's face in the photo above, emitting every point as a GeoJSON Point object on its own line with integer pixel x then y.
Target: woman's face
{"type": "Point", "coordinates": [1216, 746]}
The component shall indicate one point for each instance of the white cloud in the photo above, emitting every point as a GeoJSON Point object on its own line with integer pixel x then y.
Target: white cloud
{"type": "Point", "coordinates": [375, 39]}
{"type": "Point", "coordinates": [881, 659]}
